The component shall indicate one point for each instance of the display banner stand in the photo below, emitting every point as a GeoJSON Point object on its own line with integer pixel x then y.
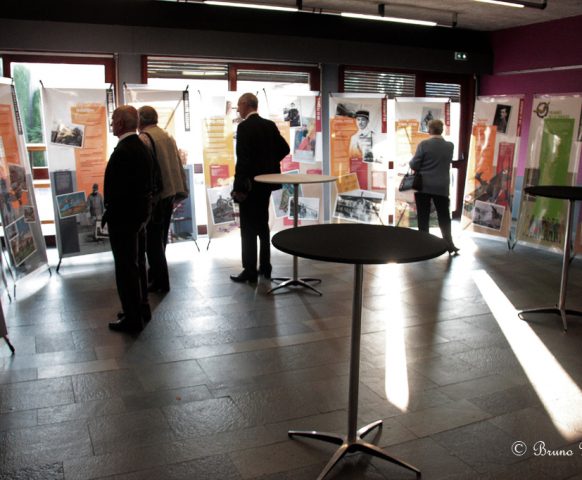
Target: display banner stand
{"type": "Point", "coordinates": [173, 108]}
{"type": "Point", "coordinates": [25, 245]}
{"type": "Point", "coordinates": [359, 153]}
{"type": "Point", "coordinates": [79, 142]}
{"type": "Point", "coordinates": [408, 119]}
{"type": "Point", "coordinates": [554, 147]}
{"type": "Point", "coordinates": [491, 171]}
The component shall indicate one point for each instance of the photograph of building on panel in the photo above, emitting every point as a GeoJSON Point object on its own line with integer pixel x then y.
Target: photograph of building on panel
{"type": "Point", "coordinates": [69, 135]}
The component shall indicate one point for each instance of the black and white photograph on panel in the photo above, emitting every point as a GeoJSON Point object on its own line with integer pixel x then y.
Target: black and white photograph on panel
{"type": "Point", "coordinates": [221, 204]}
{"type": "Point", "coordinates": [488, 215]}
{"type": "Point", "coordinates": [428, 114]}
{"type": "Point", "coordinates": [359, 206]}
{"type": "Point", "coordinates": [292, 115]}
{"type": "Point", "coordinates": [501, 119]}
{"type": "Point", "coordinates": [69, 135]}
{"type": "Point", "coordinates": [307, 208]}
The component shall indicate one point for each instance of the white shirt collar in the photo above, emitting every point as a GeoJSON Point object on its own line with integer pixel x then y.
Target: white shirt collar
{"type": "Point", "coordinates": [125, 135]}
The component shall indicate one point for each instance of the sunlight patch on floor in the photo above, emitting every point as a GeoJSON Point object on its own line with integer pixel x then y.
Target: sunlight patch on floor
{"type": "Point", "coordinates": [396, 374]}
{"type": "Point", "coordinates": [559, 394]}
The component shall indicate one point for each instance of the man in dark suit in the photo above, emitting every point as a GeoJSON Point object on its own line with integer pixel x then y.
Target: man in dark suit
{"type": "Point", "coordinates": [128, 204]}
{"type": "Point", "coordinates": [259, 150]}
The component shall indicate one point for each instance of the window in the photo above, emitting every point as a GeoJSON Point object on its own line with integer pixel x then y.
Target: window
{"type": "Point", "coordinates": [450, 90]}
{"type": "Point", "coordinates": [368, 81]}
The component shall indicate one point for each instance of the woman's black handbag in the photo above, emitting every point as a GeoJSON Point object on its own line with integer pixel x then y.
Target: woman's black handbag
{"type": "Point", "coordinates": [411, 181]}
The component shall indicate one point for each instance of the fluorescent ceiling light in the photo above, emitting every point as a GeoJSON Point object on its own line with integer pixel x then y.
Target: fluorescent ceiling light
{"type": "Point", "coordinates": [250, 5]}
{"type": "Point", "coordinates": [389, 19]}
{"type": "Point", "coordinates": [499, 2]}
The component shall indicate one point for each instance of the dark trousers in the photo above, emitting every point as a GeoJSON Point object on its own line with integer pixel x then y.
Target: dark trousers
{"type": "Point", "coordinates": [441, 205]}
{"type": "Point", "coordinates": [157, 234]}
{"type": "Point", "coordinates": [130, 273]}
{"type": "Point", "coordinates": [167, 210]}
{"type": "Point", "coordinates": [254, 222]}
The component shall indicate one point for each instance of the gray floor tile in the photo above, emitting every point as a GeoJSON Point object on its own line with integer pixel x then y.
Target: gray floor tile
{"type": "Point", "coordinates": [114, 433]}
{"type": "Point", "coordinates": [213, 384]}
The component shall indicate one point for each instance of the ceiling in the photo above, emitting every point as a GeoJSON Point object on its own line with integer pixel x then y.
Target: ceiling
{"type": "Point", "coordinates": [470, 14]}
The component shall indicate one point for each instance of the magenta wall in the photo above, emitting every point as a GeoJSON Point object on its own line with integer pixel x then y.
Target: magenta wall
{"type": "Point", "coordinates": [540, 46]}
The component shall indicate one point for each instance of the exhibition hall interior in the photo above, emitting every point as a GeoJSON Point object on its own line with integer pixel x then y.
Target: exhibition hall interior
{"type": "Point", "coordinates": [369, 349]}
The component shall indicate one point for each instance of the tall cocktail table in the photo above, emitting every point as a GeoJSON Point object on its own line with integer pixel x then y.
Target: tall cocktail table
{"type": "Point", "coordinates": [572, 194]}
{"type": "Point", "coordinates": [358, 245]}
{"type": "Point", "coordinates": [295, 180]}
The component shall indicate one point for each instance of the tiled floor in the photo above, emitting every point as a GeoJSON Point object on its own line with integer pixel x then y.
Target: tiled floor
{"type": "Point", "coordinates": [211, 386]}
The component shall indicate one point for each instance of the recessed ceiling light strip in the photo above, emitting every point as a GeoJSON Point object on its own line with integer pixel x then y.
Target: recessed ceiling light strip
{"type": "Point", "coordinates": [250, 5]}
{"type": "Point", "coordinates": [389, 19]}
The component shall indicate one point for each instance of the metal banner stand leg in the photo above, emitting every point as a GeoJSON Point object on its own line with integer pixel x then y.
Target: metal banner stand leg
{"type": "Point", "coordinates": [560, 308]}
{"type": "Point", "coordinates": [353, 441]}
{"type": "Point", "coordinates": [59, 265]}
{"type": "Point", "coordinates": [295, 281]}
{"type": "Point", "coordinates": [10, 346]}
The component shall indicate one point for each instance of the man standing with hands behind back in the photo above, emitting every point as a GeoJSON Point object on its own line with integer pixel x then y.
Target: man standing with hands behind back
{"type": "Point", "coordinates": [259, 150]}
{"type": "Point", "coordinates": [128, 205]}
{"type": "Point", "coordinates": [173, 185]}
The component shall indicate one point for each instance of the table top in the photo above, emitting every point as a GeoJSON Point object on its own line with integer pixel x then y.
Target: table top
{"type": "Point", "coordinates": [556, 191]}
{"type": "Point", "coordinates": [359, 243]}
{"type": "Point", "coordinates": [294, 178]}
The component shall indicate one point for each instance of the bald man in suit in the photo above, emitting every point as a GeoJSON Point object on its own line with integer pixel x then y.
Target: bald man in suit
{"type": "Point", "coordinates": [128, 205]}
{"type": "Point", "coordinates": [259, 150]}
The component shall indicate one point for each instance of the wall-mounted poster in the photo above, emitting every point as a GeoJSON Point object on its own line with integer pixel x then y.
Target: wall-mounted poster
{"type": "Point", "coordinates": [358, 145]}
{"type": "Point", "coordinates": [412, 116]}
{"type": "Point", "coordinates": [25, 242]}
{"type": "Point", "coordinates": [489, 184]}
{"type": "Point", "coordinates": [553, 159]}
{"type": "Point", "coordinates": [76, 122]}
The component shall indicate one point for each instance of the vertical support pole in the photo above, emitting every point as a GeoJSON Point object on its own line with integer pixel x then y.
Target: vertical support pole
{"type": "Point", "coordinates": [355, 354]}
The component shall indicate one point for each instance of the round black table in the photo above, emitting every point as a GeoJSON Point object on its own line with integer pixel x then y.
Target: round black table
{"type": "Point", "coordinates": [359, 245]}
{"type": "Point", "coordinates": [295, 179]}
{"type": "Point", "coordinates": [572, 194]}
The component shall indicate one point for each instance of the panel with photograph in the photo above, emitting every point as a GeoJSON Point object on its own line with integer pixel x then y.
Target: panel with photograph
{"type": "Point", "coordinates": [359, 206]}
{"type": "Point", "coordinates": [221, 205]}
{"type": "Point", "coordinates": [307, 208]}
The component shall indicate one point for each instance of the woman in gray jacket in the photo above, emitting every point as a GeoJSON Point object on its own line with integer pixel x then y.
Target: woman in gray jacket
{"type": "Point", "coordinates": [433, 159]}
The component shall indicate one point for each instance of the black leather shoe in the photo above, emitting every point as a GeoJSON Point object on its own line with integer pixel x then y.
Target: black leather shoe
{"type": "Point", "coordinates": [244, 277]}
{"type": "Point", "coordinates": [153, 288]}
{"type": "Point", "coordinates": [453, 251]}
{"type": "Point", "coordinates": [123, 325]}
{"type": "Point", "coordinates": [146, 313]}
{"type": "Point", "coordinates": [266, 273]}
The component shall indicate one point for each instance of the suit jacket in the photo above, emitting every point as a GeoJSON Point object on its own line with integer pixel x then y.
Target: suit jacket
{"type": "Point", "coordinates": [433, 160]}
{"type": "Point", "coordinates": [259, 150]}
{"type": "Point", "coordinates": [128, 183]}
